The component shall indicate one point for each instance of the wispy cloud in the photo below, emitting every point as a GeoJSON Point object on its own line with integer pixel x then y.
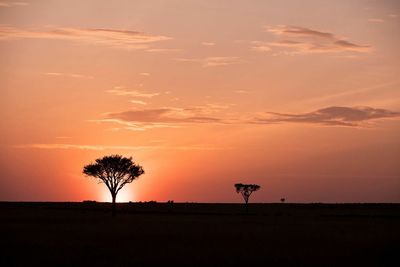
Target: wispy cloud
{"type": "Point", "coordinates": [330, 116]}
{"type": "Point", "coordinates": [120, 91]}
{"type": "Point", "coordinates": [166, 117]}
{"type": "Point", "coordinates": [241, 91]}
{"type": "Point", "coordinates": [115, 38]}
{"type": "Point", "coordinates": [134, 126]}
{"type": "Point", "coordinates": [208, 43]}
{"type": "Point", "coordinates": [163, 50]}
{"type": "Point", "coordinates": [12, 4]}
{"type": "Point", "coordinates": [144, 74]}
{"type": "Point", "coordinates": [324, 99]}
{"type": "Point", "coordinates": [375, 20]}
{"type": "Point", "coordinates": [111, 147]}
{"type": "Point", "coordinates": [140, 102]}
{"type": "Point", "coordinates": [222, 114]}
{"type": "Point", "coordinates": [212, 61]}
{"type": "Point", "coordinates": [299, 40]}
{"type": "Point", "coordinates": [69, 75]}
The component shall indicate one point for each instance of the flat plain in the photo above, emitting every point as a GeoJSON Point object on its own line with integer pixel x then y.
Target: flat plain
{"type": "Point", "coordinates": [194, 234]}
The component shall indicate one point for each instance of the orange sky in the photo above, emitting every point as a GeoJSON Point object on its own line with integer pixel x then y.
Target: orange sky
{"type": "Point", "coordinates": [301, 97]}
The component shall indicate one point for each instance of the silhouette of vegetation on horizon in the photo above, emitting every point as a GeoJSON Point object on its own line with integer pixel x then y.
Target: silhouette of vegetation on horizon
{"type": "Point", "coordinates": [246, 190]}
{"type": "Point", "coordinates": [115, 172]}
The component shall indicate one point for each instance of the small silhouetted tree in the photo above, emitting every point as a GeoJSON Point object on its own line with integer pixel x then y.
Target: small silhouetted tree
{"type": "Point", "coordinates": [246, 190]}
{"type": "Point", "coordinates": [283, 200]}
{"type": "Point", "coordinates": [114, 171]}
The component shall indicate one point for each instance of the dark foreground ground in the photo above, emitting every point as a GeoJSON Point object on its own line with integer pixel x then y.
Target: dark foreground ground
{"type": "Point", "coordinates": [84, 234]}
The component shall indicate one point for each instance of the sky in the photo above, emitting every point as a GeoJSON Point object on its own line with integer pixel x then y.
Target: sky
{"type": "Point", "coordinates": [300, 97]}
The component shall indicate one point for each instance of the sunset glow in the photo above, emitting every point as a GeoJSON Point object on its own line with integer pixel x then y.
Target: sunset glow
{"type": "Point", "coordinates": [300, 97]}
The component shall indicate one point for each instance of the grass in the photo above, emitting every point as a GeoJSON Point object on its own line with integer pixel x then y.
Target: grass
{"type": "Point", "coordinates": [191, 234]}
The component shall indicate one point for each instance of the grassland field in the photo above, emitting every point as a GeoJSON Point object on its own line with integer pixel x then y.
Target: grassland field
{"type": "Point", "coordinates": [195, 234]}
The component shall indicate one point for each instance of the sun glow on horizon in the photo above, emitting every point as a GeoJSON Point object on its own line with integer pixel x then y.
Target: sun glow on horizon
{"type": "Point", "coordinates": [124, 195]}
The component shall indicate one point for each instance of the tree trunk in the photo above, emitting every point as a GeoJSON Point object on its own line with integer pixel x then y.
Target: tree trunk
{"type": "Point", "coordinates": [114, 205]}
{"type": "Point", "coordinates": [245, 204]}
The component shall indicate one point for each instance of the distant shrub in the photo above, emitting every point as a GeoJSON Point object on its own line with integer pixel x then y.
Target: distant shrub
{"type": "Point", "coordinates": [89, 201]}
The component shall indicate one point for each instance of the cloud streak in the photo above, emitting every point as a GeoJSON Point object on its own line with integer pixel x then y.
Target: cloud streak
{"type": "Point", "coordinates": [376, 20]}
{"type": "Point", "coordinates": [105, 147]}
{"type": "Point", "coordinates": [212, 61]}
{"type": "Point", "coordinates": [346, 94]}
{"type": "Point", "coordinates": [114, 38]}
{"type": "Point", "coordinates": [171, 117]}
{"type": "Point", "coordinates": [12, 4]}
{"type": "Point", "coordinates": [119, 91]}
{"type": "Point", "coordinates": [166, 117]}
{"type": "Point", "coordinates": [68, 75]}
{"type": "Point", "coordinates": [208, 43]}
{"type": "Point", "coordinates": [330, 116]}
{"type": "Point", "coordinates": [300, 40]}
{"type": "Point", "coordinates": [140, 102]}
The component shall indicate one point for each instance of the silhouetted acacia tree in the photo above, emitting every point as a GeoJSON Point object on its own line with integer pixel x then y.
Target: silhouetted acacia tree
{"type": "Point", "coordinates": [246, 190]}
{"type": "Point", "coordinates": [114, 171]}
